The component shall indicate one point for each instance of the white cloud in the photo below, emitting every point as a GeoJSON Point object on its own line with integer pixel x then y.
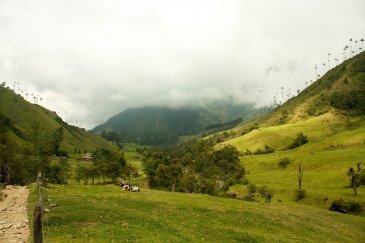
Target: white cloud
{"type": "Point", "coordinates": [90, 60]}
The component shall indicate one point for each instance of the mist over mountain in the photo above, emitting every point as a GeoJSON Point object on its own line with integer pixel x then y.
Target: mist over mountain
{"type": "Point", "coordinates": [161, 125]}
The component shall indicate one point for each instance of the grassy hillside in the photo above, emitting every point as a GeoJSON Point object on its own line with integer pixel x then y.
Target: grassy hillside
{"type": "Point", "coordinates": [330, 113]}
{"type": "Point", "coordinates": [341, 88]}
{"type": "Point", "coordinates": [22, 115]}
{"type": "Point", "coordinates": [107, 214]}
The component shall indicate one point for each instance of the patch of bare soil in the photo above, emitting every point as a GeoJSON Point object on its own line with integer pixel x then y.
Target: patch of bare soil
{"type": "Point", "coordinates": [14, 224]}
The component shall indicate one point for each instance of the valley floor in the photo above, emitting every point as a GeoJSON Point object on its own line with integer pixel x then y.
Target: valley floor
{"type": "Point", "coordinates": [108, 214]}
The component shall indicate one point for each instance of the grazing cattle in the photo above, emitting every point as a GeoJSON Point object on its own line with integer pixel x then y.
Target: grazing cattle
{"type": "Point", "coordinates": [126, 188]}
{"type": "Point", "coordinates": [135, 189]}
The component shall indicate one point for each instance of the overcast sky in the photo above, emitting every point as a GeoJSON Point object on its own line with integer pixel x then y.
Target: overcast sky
{"type": "Point", "coordinates": [91, 59]}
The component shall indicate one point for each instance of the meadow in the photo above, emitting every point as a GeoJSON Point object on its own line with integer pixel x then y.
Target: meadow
{"type": "Point", "coordinates": [335, 144]}
{"type": "Point", "coordinates": [105, 213]}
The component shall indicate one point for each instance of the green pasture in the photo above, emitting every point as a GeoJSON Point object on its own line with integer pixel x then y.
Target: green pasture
{"type": "Point", "coordinates": [108, 214]}
{"type": "Point", "coordinates": [335, 144]}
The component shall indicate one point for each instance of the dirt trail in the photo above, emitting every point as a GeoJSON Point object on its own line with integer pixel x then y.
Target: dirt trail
{"type": "Point", "coordinates": [14, 224]}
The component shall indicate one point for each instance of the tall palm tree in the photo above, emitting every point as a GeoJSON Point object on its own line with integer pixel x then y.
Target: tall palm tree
{"type": "Point", "coordinates": [350, 46]}
{"type": "Point", "coordinates": [315, 67]}
{"type": "Point", "coordinates": [336, 60]}
{"type": "Point", "coordinates": [362, 42]}
{"type": "Point", "coordinates": [328, 59]}
{"type": "Point", "coordinates": [282, 94]}
{"type": "Point", "coordinates": [324, 68]}
{"type": "Point", "coordinates": [355, 46]}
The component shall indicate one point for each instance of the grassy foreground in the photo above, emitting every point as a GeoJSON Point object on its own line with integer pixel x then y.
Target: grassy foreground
{"type": "Point", "coordinates": [107, 214]}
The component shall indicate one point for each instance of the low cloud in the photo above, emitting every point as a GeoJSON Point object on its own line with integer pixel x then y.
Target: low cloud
{"type": "Point", "coordinates": [92, 60]}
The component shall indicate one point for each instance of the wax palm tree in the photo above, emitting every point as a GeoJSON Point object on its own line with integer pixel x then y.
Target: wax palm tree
{"type": "Point", "coordinates": [346, 47]}
{"type": "Point", "coordinates": [328, 59]}
{"type": "Point", "coordinates": [315, 67]}
{"type": "Point", "coordinates": [324, 68]}
{"type": "Point", "coordinates": [362, 42]}
{"type": "Point", "coordinates": [350, 46]}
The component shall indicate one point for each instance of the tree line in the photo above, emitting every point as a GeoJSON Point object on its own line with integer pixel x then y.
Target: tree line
{"type": "Point", "coordinates": [194, 167]}
{"type": "Point", "coordinates": [20, 164]}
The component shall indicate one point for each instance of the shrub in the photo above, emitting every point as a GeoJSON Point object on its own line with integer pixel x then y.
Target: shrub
{"type": "Point", "coordinates": [283, 163]}
{"type": "Point", "coordinates": [354, 207]}
{"type": "Point", "coordinates": [251, 188]}
{"type": "Point", "coordinates": [266, 150]}
{"type": "Point", "coordinates": [266, 193]}
{"type": "Point", "coordinates": [341, 206]}
{"type": "Point", "coordinates": [300, 194]}
{"type": "Point", "coordinates": [300, 140]}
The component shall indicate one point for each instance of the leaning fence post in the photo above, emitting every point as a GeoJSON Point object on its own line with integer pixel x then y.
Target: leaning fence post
{"type": "Point", "coordinates": [37, 229]}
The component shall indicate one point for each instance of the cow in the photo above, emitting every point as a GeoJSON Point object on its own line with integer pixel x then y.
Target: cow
{"type": "Point", "coordinates": [135, 189]}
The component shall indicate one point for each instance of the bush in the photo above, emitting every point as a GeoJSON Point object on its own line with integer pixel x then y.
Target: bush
{"type": "Point", "coordinates": [266, 193]}
{"type": "Point", "coordinates": [300, 194]}
{"type": "Point", "coordinates": [341, 206]}
{"type": "Point", "coordinates": [251, 188]}
{"type": "Point", "coordinates": [283, 163]}
{"type": "Point", "coordinates": [354, 207]}
{"type": "Point", "coordinates": [266, 150]}
{"type": "Point", "coordinates": [300, 140]}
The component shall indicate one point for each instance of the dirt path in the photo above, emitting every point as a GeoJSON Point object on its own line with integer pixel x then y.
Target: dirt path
{"type": "Point", "coordinates": [14, 224]}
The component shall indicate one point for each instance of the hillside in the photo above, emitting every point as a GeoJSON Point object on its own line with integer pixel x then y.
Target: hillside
{"type": "Point", "coordinates": [331, 113]}
{"type": "Point", "coordinates": [107, 214]}
{"type": "Point", "coordinates": [163, 125]}
{"type": "Point", "coordinates": [341, 89]}
{"type": "Point", "coordinates": [21, 115]}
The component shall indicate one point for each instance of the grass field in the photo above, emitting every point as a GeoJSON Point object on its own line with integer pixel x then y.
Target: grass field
{"type": "Point", "coordinates": [335, 144]}
{"type": "Point", "coordinates": [107, 214]}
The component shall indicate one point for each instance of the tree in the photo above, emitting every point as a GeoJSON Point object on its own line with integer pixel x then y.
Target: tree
{"type": "Point", "coordinates": [109, 163]}
{"type": "Point", "coordinates": [194, 167]}
{"type": "Point", "coordinates": [300, 140]}
{"type": "Point", "coordinates": [131, 172]}
{"type": "Point", "coordinates": [354, 177]}
{"type": "Point", "coordinates": [56, 139]}
{"type": "Point", "coordinates": [316, 71]}
{"type": "Point", "coordinates": [350, 47]}
{"type": "Point", "coordinates": [300, 193]}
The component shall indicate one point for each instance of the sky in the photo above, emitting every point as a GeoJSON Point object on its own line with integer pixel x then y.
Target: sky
{"type": "Point", "coordinates": [91, 59]}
